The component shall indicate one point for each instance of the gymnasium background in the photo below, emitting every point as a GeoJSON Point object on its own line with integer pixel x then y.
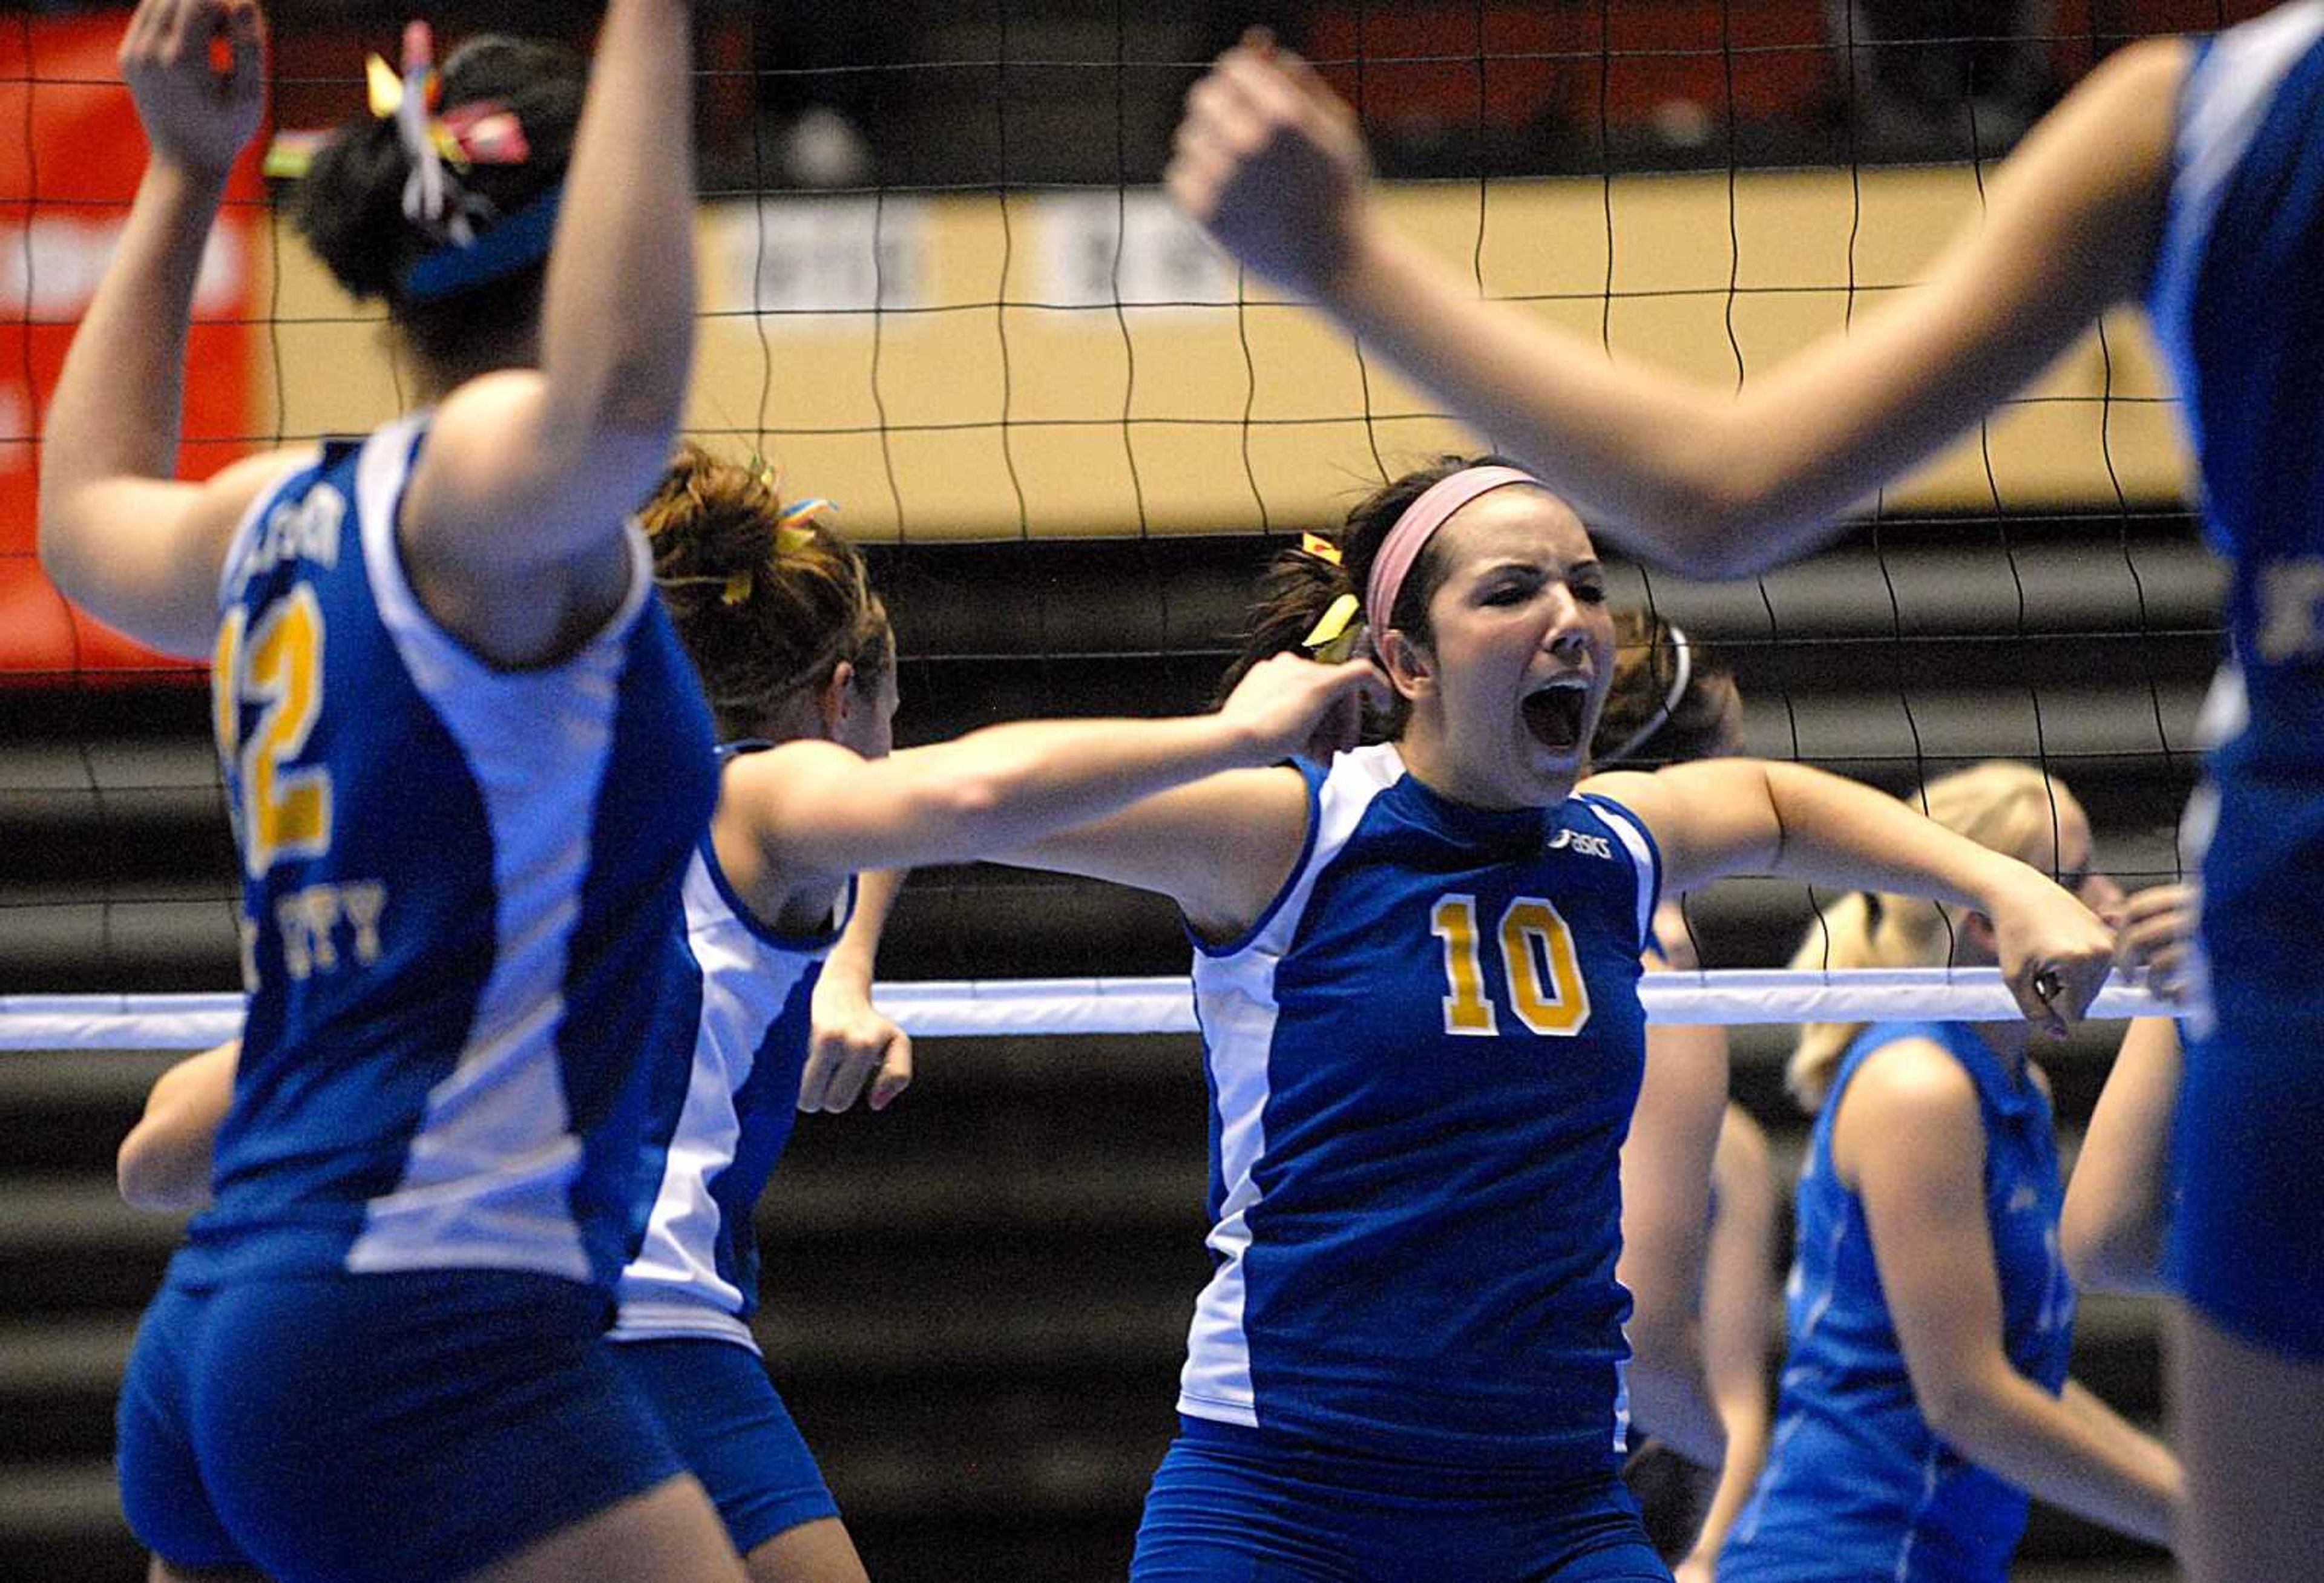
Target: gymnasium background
{"type": "Point", "coordinates": [940, 285]}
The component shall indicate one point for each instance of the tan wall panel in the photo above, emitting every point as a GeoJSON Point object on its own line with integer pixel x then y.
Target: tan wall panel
{"type": "Point", "coordinates": [1012, 316]}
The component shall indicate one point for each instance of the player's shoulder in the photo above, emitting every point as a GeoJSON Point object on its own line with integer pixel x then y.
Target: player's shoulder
{"type": "Point", "coordinates": [1908, 1078]}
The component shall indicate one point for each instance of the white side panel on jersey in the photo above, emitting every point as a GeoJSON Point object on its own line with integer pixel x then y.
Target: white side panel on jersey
{"type": "Point", "coordinates": [673, 1287]}
{"type": "Point", "coordinates": [485, 1178]}
{"type": "Point", "coordinates": [2221, 107]}
{"type": "Point", "coordinates": [1234, 996]}
{"type": "Point", "coordinates": [1624, 824]}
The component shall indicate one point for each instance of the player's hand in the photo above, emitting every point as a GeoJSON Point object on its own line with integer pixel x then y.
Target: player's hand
{"type": "Point", "coordinates": [2055, 952]}
{"type": "Point", "coordinates": [196, 117]}
{"type": "Point", "coordinates": [2156, 937]}
{"type": "Point", "coordinates": [850, 1045]}
{"type": "Point", "coordinates": [1286, 704]}
{"type": "Point", "coordinates": [1695, 1569]}
{"type": "Point", "coordinates": [1271, 163]}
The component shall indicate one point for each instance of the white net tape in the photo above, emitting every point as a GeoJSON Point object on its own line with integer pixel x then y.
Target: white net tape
{"type": "Point", "coordinates": [1030, 1007]}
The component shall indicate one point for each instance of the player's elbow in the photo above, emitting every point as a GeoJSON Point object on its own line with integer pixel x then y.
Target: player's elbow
{"type": "Point", "coordinates": [1959, 1403]}
{"type": "Point", "coordinates": [2110, 1252]}
{"type": "Point", "coordinates": [1665, 1341]}
{"type": "Point", "coordinates": [152, 1177]}
{"type": "Point", "coordinates": [971, 809]}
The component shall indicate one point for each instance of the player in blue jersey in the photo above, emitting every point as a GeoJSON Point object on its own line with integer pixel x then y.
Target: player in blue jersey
{"type": "Point", "coordinates": [1924, 1389]}
{"type": "Point", "coordinates": [2182, 174]}
{"type": "Point", "coordinates": [1416, 972]}
{"type": "Point", "coordinates": [797, 656]}
{"type": "Point", "coordinates": [795, 653]}
{"type": "Point", "coordinates": [467, 764]}
{"type": "Point", "coordinates": [1698, 1204]}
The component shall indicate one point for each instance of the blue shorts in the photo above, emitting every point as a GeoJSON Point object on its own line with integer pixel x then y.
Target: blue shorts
{"type": "Point", "coordinates": [1230, 1506]}
{"type": "Point", "coordinates": [730, 1426]}
{"type": "Point", "coordinates": [377, 1429]}
{"type": "Point", "coordinates": [2246, 1238]}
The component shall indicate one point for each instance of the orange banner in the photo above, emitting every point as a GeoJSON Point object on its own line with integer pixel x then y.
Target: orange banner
{"type": "Point", "coordinates": [71, 156]}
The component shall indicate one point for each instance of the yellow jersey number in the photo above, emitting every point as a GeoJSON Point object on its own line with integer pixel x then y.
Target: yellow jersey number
{"type": "Point", "coordinates": [1537, 956]}
{"type": "Point", "coordinates": [278, 666]}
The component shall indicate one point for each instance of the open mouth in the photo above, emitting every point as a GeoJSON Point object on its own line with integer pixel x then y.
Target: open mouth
{"type": "Point", "coordinates": [1554, 715]}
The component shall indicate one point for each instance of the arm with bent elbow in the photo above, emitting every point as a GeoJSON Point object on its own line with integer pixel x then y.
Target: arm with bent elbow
{"type": "Point", "coordinates": [1722, 817]}
{"type": "Point", "coordinates": [567, 451]}
{"type": "Point", "coordinates": [117, 533]}
{"type": "Point", "coordinates": [1910, 1135]}
{"type": "Point", "coordinates": [813, 807]}
{"type": "Point", "coordinates": [1273, 163]}
{"type": "Point", "coordinates": [164, 1163]}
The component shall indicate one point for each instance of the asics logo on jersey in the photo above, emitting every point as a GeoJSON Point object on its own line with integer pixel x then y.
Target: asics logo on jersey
{"type": "Point", "coordinates": [1589, 846]}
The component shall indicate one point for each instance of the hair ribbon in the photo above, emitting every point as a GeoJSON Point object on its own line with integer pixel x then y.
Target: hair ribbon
{"type": "Point", "coordinates": [794, 528]}
{"type": "Point", "coordinates": [1329, 639]}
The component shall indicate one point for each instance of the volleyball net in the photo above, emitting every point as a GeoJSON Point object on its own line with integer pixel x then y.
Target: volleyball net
{"type": "Point", "coordinates": [941, 286]}
{"type": "Point", "coordinates": [1048, 1007]}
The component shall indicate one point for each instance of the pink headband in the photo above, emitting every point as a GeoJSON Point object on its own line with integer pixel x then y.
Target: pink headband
{"type": "Point", "coordinates": [1420, 520]}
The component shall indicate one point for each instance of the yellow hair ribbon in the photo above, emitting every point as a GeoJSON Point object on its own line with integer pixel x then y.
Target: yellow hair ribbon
{"type": "Point", "coordinates": [1320, 548]}
{"type": "Point", "coordinates": [291, 155]}
{"type": "Point", "coordinates": [793, 532]}
{"type": "Point", "coordinates": [385, 84]}
{"type": "Point", "coordinates": [1329, 639]}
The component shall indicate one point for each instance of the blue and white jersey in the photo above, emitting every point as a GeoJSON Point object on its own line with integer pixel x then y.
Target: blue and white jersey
{"type": "Point", "coordinates": [717, 1125]}
{"type": "Point", "coordinates": [2233, 299]}
{"type": "Point", "coordinates": [1856, 1485]}
{"type": "Point", "coordinates": [460, 905]}
{"type": "Point", "coordinates": [1422, 1063]}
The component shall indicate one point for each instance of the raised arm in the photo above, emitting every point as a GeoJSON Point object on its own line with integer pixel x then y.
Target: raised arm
{"type": "Point", "coordinates": [1745, 816]}
{"type": "Point", "coordinates": [164, 1163]}
{"type": "Point", "coordinates": [1271, 161]}
{"type": "Point", "coordinates": [525, 469]}
{"type": "Point", "coordinates": [814, 808]}
{"type": "Point", "coordinates": [138, 550]}
{"type": "Point", "coordinates": [1908, 1134]}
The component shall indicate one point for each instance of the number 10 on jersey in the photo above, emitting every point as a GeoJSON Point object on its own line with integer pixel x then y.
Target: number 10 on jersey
{"type": "Point", "coordinates": [1537, 960]}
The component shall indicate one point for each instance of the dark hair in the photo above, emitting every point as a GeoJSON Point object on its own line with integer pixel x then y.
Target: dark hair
{"type": "Point", "coordinates": [349, 206]}
{"type": "Point", "coordinates": [1646, 669]}
{"type": "Point", "coordinates": [763, 624]}
{"type": "Point", "coordinates": [1299, 585]}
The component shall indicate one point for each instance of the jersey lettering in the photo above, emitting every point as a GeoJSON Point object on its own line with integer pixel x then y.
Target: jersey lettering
{"type": "Point", "coordinates": [1538, 957]}
{"type": "Point", "coordinates": [284, 812]}
{"type": "Point", "coordinates": [1467, 1012]}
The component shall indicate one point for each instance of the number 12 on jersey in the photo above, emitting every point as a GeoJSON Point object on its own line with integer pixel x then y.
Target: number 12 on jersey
{"type": "Point", "coordinates": [278, 666]}
{"type": "Point", "coordinates": [1537, 960]}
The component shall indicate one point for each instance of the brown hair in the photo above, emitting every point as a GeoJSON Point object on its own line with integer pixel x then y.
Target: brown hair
{"type": "Point", "coordinates": [763, 623]}
{"type": "Point", "coordinates": [1645, 670]}
{"type": "Point", "coordinates": [2001, 804]}
{"type": "Point", "coordinates": [1299, 585]}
